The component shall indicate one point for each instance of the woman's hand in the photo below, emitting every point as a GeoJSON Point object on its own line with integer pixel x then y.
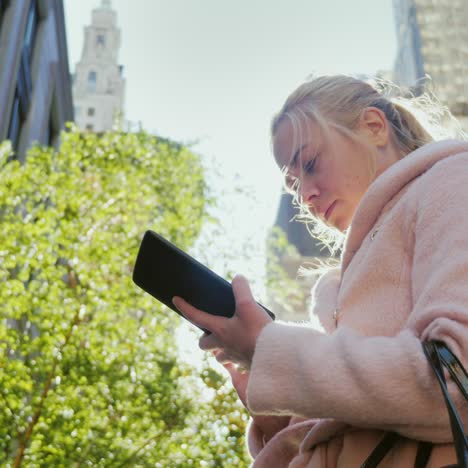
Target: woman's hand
{"type": "Point", "coordinates": [267, 425]}
{"type": "Point", "coordinates": [233, 338]}
{"type": "Point", "coordinates": [239, 380]}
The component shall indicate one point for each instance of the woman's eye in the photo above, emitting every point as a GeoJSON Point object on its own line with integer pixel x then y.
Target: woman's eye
{"type": "Point", "coordinates": [309, 166]}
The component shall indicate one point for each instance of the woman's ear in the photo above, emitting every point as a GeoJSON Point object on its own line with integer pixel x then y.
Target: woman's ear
{"type": "Point", "coordinates": [375, 126]}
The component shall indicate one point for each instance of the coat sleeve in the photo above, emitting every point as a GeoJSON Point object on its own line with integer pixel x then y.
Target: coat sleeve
{"type": "Point", "coordinates": [383, 382]}
{"type": "Point", "coordinates": [262, 428]}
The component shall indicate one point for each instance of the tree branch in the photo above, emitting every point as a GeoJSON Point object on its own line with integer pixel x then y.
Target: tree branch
{"type": "Point", "coordinates": [139, 449]}
{"type": "Point", "coordinates": [37, 414]}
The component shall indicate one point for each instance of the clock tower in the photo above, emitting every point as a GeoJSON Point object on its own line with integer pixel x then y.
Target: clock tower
{"type": "Point", "coordinates": [98, 88]}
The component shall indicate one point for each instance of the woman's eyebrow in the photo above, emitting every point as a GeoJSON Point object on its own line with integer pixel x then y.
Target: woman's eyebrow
{"type": "Point", "coordinates": [295, 157]}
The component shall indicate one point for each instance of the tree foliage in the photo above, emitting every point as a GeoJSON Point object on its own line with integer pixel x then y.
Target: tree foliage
{"type": "Point", "coordinates": [90, 374]}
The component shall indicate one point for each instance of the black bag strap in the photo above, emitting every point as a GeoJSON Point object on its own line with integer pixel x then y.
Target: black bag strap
{"type": "Point", "coordinates": [439, 355]}
{"type": "Point", "coordinates": [455, 368]}
{"type": "Point", "coordinates": [423, 454]}
{"type": "Point", "coordinates": [388, 442]}
{"type": "Point", "coordinates": [382, 448]}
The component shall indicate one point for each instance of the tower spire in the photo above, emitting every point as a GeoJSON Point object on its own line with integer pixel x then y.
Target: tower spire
{"type": "Point", "coordinates": [99, 86]}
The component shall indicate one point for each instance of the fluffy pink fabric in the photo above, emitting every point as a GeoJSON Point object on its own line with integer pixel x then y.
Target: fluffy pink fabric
{"type": "Point", "coordinates": [404, 278]}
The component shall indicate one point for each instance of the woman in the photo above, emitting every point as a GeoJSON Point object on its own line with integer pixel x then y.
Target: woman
{"type": "Point", "coordinates": [364, 165]}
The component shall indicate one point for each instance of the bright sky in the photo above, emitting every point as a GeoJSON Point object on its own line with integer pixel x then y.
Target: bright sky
{"type": "Point", "coordinates": [216, 71]}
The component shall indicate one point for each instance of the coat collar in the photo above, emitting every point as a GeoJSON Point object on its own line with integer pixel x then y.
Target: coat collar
{"type": "Point", "coordinates": [388, 184]}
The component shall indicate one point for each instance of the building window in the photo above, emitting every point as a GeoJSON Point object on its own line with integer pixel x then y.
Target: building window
{"type": "Point", "coordinates": [22, 100]}
{"type": "Point", "coordinates": [48, 134]}
{"type": "Point", "coordinates": [92, 79]}
{"type": "Point", "coordinates": [15, 122]}
{"type": "Point", "coordinates": [3, 7]}
{"type": "Point", "coordinates": [52, 130]}
{"type": "Point", "coordinates": [89, 128]}
{"type": "Point", "coordinates": [24, 85]}
{"type": "Point", "coordinates": [52, 135]}
{"type": "Point", "coordinates": [101, 40]}
{"type": "Point", "coordinates": [91, 111]}
{"type": "Point", "coordinates": [31, 27]}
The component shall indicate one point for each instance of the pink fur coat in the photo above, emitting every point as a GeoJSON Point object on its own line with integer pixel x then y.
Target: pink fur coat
{"type": "Point", "coordinates": [403, 279]}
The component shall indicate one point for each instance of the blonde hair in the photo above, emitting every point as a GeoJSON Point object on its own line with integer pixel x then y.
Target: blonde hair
{"type": "Point", "coordinates": [338, 101]}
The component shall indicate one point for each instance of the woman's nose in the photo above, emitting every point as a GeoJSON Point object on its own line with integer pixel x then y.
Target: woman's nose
{"type": "Point", "coordinates": [309, 192]}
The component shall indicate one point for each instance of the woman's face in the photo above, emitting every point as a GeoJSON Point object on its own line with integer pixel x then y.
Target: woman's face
{"type": "Point", "coordinates": [331, 170]}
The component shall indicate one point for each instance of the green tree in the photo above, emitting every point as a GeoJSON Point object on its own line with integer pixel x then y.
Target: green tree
{"type": "Point", "coordinates": [89, 369]}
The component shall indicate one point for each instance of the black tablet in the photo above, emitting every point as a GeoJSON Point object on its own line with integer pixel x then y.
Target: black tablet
{"type": "Point", "coordinates": [164, 271]}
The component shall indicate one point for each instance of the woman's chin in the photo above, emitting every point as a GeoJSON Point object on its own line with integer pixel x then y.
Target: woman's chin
{"type": "Point", "coordinates": [341, 224]}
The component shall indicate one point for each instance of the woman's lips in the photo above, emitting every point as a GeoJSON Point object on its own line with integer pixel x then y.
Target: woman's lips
{"type": "Point", "coordinates": [329, 210]}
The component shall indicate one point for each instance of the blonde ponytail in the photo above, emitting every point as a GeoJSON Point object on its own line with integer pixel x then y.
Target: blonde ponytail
{"type": "Point", "coordinates": [340, 99]}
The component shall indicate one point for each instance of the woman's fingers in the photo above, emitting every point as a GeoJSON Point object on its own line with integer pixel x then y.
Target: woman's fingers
{"type": "Point", "coordinates": [239, 381]}
{"type": "Point", "coordinates": [194, 315]}
{"type": "Point", "coordinates": [235, 336]}
{"type": "Point", "coordinates": [209, 342]}
{"type": "Point", "coordinates": [222, 358]}
{"type": "Point", "coordinates": [241, 290]}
